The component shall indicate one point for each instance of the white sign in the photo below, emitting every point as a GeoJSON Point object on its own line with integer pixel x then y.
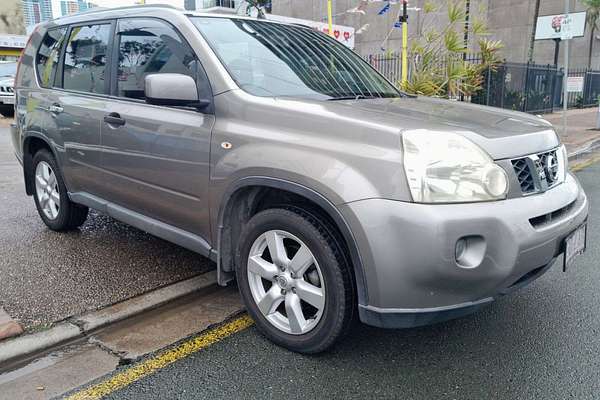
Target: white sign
{"type": "Point", "coordinates": [575, 84]}
{"type": "Point", "coordinates": [13, 41]}
{"type": "Point", "coordinates": [343, 34]}
{"type": "Point", "coordinates": [561, 26]}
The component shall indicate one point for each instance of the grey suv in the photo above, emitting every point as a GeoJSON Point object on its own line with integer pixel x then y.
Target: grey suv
{"type": "Point", "coordinates": [281, 155]}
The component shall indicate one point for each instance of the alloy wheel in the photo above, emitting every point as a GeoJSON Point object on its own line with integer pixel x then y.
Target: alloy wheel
{"type": "Point", "coordinates": [286, 282]}
{"type": "Point", "coordinates": [46, 189]}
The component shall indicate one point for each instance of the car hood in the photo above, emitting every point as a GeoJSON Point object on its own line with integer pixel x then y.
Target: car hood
{"type": "Point", "coordinates": [502, 133]}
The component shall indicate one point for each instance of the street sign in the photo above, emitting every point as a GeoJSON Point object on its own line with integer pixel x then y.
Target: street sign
{"type": "Point", "coordinates": [575, 84]}
{"type": "Point", "coordinates": [560, 26]}
{"type": "Point", "coordinates": [343, 34]}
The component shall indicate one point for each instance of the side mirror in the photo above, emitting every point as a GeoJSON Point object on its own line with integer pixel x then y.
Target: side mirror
{"type": "Point", "coordinates": [172, 90]}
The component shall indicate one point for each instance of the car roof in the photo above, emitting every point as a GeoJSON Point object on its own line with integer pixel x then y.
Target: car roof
{"type": "Point", "coordinates": [99, 13]}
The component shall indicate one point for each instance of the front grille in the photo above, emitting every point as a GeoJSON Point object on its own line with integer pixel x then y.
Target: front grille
{"type": "Point", "coordinates": [524, 175]}
{"type": "Point", "coordinates": [537, 172]}
{"type": "Point", "coordinates": [546, 219]}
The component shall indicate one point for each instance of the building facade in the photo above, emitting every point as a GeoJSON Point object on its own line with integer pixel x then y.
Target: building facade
{"type": "Point", "coordinates": [68, 7]}
{"type": "Point", "coordinates": [226, 5]}
{"type": "Point", "coordinates": [36, 11]}
{"type": "Point", "coordinates": [511, 21]}
{"type": "Point", "coordinates": [11, 18]}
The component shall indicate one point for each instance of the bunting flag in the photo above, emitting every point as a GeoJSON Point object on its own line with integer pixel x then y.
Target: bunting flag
{"type": "Point", "coordinates": [385, 9]}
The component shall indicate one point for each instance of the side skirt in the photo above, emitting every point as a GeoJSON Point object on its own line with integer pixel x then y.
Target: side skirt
{"type": "Point", "coordinates": [154, 227]}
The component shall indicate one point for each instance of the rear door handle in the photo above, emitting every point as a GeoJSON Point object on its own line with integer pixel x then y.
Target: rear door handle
{"type": "Point", "coordinates": [114, 119]}
{"type": "Point", "coordinates": [55, 109]}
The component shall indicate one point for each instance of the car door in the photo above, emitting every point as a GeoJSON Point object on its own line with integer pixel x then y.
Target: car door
{"type": "Point", "coordinates": [77, 104]}
{"type": "Point", "coordinates": [156, 158]}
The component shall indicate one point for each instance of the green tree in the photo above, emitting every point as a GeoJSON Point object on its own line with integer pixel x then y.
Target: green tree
{"type": "Point", "coordinates": [438, 63]}
{"type": "Point", "coordinates": [593, 19]}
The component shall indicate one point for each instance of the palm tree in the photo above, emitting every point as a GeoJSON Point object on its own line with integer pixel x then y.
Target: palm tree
{"type": "Point", "coordinates": [593, 20]}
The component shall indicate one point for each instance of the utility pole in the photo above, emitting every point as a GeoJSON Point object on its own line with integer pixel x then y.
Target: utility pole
{"type": "Point", "coordinates": [330, 16]}
{"type": "Point", "coordinates": [536, 14]}
{"type": "Point", "coordinates": [466, 38]}
{"type": "Point", "coordinates": [404, 22]}
{"type": "Point", "coordinates": [566, 75]}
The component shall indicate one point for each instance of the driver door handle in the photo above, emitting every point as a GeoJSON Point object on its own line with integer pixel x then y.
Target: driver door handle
{"type": "Point", "coordinates": [114, 119]}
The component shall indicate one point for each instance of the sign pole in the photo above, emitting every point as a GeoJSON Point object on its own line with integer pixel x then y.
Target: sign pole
{"type": "Point", "coordinates": [404, 21]}
{"type": "Point", "coordinates": [330, 16]}
{"type": "Point", "coordinates": [566, 73]}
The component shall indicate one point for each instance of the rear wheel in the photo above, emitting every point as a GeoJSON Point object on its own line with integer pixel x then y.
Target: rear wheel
{"type": "Point", "coordinates": [50, 195]}
{"type": "Point", "coordinates": [294, 280]}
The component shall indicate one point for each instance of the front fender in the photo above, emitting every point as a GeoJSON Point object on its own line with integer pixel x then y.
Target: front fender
{"type": "Point", "coordinates": [310, 194]}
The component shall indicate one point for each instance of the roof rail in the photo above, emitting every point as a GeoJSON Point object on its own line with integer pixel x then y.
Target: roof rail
{"type": "Point", "coordinates": [101, 9]}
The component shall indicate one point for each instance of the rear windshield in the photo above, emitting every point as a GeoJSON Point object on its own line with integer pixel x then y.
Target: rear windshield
{"type": "Point", "coordinates": [270, 59]}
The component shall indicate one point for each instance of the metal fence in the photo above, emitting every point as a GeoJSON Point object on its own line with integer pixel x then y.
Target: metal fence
{"type": "Point", "coordinates": [527, 87]}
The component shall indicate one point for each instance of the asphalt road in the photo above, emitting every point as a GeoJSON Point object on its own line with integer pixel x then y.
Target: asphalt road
{"type": "Point", "coordinates": [540, 343]}
{"type": "Point", "coordinates": [47, 276]}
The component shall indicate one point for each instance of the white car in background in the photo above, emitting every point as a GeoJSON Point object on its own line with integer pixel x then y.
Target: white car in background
{"type": "Point", "coordinates": [8, 71]}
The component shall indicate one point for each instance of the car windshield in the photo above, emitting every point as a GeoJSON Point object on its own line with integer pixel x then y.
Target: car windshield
{"type": "Point", "coordinates": [276, 60]}
{"type": "Point", "coordinates": [8, 69]}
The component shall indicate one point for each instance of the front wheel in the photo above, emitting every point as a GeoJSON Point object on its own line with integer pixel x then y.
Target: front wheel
{"type": "Point", "coordinates": [294, 280]}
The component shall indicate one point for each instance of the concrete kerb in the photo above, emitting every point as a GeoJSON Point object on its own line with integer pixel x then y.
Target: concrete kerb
{"type": "Point", "coordinates": [595, 145]}
{"type": "Point", "coordinates": [77, 327]}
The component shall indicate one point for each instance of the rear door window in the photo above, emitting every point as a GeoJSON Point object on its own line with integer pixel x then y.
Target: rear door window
{"type": "Point", "coordinates": [48, 56]}
{"type": "Point", "coordinates": [85, 68]}
{"type": "Point", "coordinates": [149, 46]}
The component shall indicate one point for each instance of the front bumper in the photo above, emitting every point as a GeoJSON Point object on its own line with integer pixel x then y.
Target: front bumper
{"type": "Point", "coordinates": [408, 251]}
{"type": "Point", "coordinates": [7, 100]}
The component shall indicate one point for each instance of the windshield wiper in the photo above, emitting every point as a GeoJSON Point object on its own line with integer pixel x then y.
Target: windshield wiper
{"type": "Point", "coordinates": [357, 97]}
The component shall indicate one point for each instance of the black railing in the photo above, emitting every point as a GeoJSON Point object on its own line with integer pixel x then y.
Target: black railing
{"type": "Point", "coordinates": [527, 87]}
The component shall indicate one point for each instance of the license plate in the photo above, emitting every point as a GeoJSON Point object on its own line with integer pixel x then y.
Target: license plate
{"type": "Point", "coordinates": [8, 100]}
{"type": "Point", "coordinates": [575, 244]}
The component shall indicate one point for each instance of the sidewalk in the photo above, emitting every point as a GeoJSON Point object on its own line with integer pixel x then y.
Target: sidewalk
{"type": "Point", "coordinates": [580, 128]}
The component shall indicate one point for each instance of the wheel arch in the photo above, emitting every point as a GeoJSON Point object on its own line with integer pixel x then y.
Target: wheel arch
{"type": "Point", "coordinates": [32, 143]}
{"type": "Point", "coordinates": [247, 190]}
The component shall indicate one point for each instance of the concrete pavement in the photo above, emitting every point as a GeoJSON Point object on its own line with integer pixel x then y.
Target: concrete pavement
{"type": "Point", "coordinates": [580, 128]}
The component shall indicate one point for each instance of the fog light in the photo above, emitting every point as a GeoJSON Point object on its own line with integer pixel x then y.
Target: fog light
{"type": "Point", "coordinates": [470, 251]}
{"type": "Point", "coordinates": [496, 181]}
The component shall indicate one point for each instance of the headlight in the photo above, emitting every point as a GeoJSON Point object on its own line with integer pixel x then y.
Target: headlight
{"type": "Point", "coordinates": [448, 168]}
{"type": "Point", "coordinates": [563, 162]}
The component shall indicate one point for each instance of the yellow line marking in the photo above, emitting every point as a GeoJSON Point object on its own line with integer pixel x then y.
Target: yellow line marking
{"type": "Point", "coordinates": [152, 365]}
{"type": "Point", "coordinates": [585, 164]}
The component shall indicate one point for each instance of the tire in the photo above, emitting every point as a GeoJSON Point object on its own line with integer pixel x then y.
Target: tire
{"type": "Point", "coordinates": [326, 283]}
{"type": "Point", "coordinates": [61, 215]}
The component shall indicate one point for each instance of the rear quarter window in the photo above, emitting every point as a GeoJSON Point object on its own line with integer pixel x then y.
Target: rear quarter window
{"type": "Point", "coordinates": [48, 55]}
